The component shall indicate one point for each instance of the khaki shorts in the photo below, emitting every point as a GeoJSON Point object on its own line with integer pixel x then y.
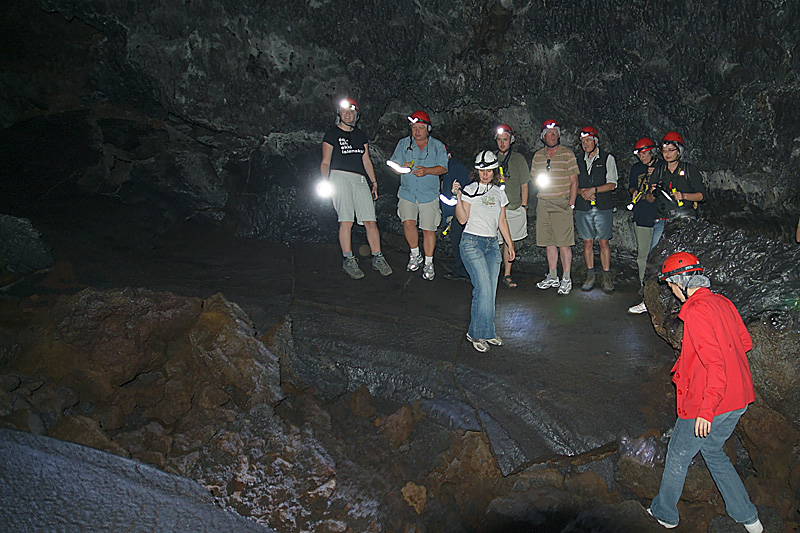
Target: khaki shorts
{"type": "Point", "coordinates": [517, 224]}
{"type": "Point", "coordinates": [429, 214]}
{"type": "Point", "coordinates": [352, 197]}
{"type": "Point", "coordinates": [554, 223]}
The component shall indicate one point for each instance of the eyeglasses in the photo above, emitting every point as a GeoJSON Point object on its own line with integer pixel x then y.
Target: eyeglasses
{"type": "Point", "coordinates": [548, 165]}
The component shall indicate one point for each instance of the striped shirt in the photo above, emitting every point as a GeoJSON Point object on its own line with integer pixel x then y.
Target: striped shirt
{"type": "Point", "coordinates": [562, 166]}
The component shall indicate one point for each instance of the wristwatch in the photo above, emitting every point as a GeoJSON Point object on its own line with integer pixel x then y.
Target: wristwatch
{"type": "Point", "coordinates": [572, 206]}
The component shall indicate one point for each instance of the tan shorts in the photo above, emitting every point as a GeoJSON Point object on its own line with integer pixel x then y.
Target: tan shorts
{"type": "Point", "coordinates": [517, 224]}
{"type": "Point", "coordinates": [554, 223]}
{"type": "Point", "coordinates": [429, 214]}
{"type": "Point", "coordinates": [352, 197]}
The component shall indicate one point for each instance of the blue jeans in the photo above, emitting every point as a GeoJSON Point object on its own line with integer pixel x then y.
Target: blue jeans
{"type": "Point", "coordinates": [456, 230]}
{"type": "Point", "coordinates": [482, 259]}
{"type": "Point", "coordinates": [683, 446]}
{"type": "Point", "coordinates": [658, 230]}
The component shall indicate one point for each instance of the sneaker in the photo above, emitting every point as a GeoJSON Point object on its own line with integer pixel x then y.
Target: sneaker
{"type": "Point", "coordinates": [350, 266]}
{"type": "Point", "coordinates": [479, 344]}
{"type": "Point", "coordinates": [608, 283]}
{"type": "Point", "coordinates": [497, 341]}
{"type": "Point", "coordinates": [565, 287]}
{"type": "Point", "coordinates": [548, 283]}
{"type": "Point", "coordinates": [427, 272]}
{"type": "Point", "coordinates": [668, 526]}
{"type": "Point", "coordinates": [755, 527]}
{"type": "Point", "coordinates": [379, 263]}
{"type": "Point", "coordinates": [589, 283]}
{"type": "Point", "coordinates": [638, 309]}
{"type": "Point", "coordinates": [414, 262]}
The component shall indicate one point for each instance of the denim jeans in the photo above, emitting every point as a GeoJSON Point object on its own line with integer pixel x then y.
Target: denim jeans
{"type": "Point", "coordinates": [482, 259]}
{"type": "Point", "coordinates": [683, 446]}
{"type": "Point", "coordinates": [456, 230]}
{"type": "Point", "coordinates": [658, 230]}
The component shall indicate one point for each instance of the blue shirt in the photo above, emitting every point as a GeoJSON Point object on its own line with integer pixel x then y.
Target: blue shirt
{"type": "Point", "coordinates": [425, 189]}
{"type": "Point", "coordinates": [456, 171]}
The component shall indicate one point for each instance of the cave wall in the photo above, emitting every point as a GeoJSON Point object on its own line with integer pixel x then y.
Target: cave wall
{"type": "Point", "coordinates": [217, 108]}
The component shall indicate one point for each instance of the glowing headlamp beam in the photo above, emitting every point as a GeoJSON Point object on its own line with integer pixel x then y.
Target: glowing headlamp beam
{"type": "Point", "coordinates": [542, 180]}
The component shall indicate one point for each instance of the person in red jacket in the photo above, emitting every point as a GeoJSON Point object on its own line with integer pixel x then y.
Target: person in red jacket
{"type": "Point", "coordinates": [713, 389]}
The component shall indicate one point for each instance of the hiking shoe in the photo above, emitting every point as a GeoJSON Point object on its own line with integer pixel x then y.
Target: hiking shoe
{"type": "Point", "coordinates": [479, 344]}
{"type": "Point", "coordinates": [379, 263]}
{"type": "Point", "coordinates": [548, 283]}
{"type": "Point", "coordinates": [638, 309]}
{"type": "Point", "coordinates": [427, 272]}
{"type": "Point", "coordinates": [608, 283]}
{"type": "Point", "coordinates": [589, 283]}
{"type": "Point", "coordinates": [414, 262]}
{"type": "Point", "coordinates": [565, 286]}
{"type": "Point", "coordinates": [755, 527]}
{"type": "Point", "coordinates": [497, 341]}
{"type": "Point", "coordinates": [350, 266]}
{"type": "Point", "coordinates": [668, 526]}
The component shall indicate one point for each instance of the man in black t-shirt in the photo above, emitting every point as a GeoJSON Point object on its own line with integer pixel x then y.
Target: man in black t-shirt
{"type": "Point", "coordinates": [347, 166]}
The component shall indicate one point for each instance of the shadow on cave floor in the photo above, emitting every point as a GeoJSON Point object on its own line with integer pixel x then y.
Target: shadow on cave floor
{"type": "Point", "coordinates": [578, 369]}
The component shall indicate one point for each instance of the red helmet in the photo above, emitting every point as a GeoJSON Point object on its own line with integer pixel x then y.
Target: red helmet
{"type": "Point", "coordinates": [550, 124]}
{"type": "Point", "coordinates": [645, 144]}
{"type": "Point", "coordinates": [672, 137]}
{"type": "Point", "coordinates": [420, 116]}
{"type": "Point", "coordinates": [589, 131]}
{"type": "Point", "coordinates": [504, 128]}
{"type": "Point", "coordinates": [680, 263]}
{"type": "Point", "coordinates": [347, 103]}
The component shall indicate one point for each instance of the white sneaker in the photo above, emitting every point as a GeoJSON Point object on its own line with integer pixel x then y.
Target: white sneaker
{"type": "Point", "coordinates": [427, 272]}
{"type": "Point", "coordinates": [638, 309]}
{"type": "Point", "coordinates": [755, 527]}
{"type": "Point", "coordinates": [479, 344]}
{"type": "Point", "coordinates": [548, 283]}
{"type": "Point", "coordinates": [414, 262]}
{"type": "Point", "coordinates": [497, 341]}
{"type": "Point", "coordinates": [668, 526]}
{"type": "Point", "coordinates": [565, 286]}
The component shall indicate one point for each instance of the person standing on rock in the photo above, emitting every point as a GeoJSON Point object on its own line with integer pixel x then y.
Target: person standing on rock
{"type": "Point", "coordinates": [678, 186]}
{"type": "Point", "coordinates": [594, 207]}
{"type": "Point", "coordinates": [482, 207]}
{"type": "Point", "coordinates": [643, 205]}
{"type": "Point", "coordinates": [347, 168]}
{"type": "Point", "coordinates": [714, 387]}
{"type": "Point", "coordinates": [418, 195]}
{"type": "Point", "coordinates": [515, 175]}
{"type": "Point", "coordinates": [556, 173]}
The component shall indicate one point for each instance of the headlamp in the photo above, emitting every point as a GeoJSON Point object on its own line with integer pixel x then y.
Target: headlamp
{"type": "Point", "coordinates": [344, 104]}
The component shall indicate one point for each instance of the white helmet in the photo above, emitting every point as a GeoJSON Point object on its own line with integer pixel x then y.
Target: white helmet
{"type": "Point", "coordinates": [486, 160]}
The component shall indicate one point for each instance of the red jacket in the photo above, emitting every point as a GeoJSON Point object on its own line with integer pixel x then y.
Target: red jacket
{"type": "Point", "coordinates": [712, 375]}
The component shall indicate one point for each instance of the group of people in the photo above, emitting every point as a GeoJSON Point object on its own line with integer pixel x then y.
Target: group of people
{"type": "Point", "coordinates": [572, 191]}
{"type": "Point", "coordinates": [712, 375]}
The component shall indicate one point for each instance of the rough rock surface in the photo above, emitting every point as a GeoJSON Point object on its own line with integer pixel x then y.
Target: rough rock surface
{"type": "Point", "coordinates": [81, 489]}
{"type": "Point", "coordinates": [217, 110]}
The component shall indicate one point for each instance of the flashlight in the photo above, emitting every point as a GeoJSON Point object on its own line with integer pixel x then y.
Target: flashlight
{"type": "Point", "coordinates": [397, 168]}
{"type": "Point", "coordinates": [447, 200]}
{"type": "Point", "coordinates": [324, 188]}
{"type": "Point", "coordinates": [633, 202]}
{"type": "Point", "coordinates": [543, 180]}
